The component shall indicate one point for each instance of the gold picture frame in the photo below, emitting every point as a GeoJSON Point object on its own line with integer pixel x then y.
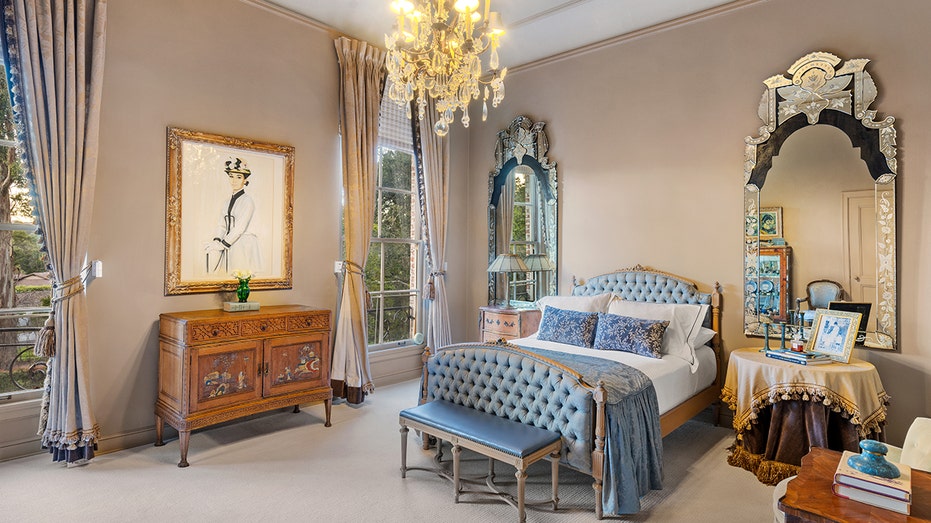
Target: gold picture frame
{"type": "Point", "coordinates": [834, 333]}
{"type": "Point", "coordinates": [211, 232]}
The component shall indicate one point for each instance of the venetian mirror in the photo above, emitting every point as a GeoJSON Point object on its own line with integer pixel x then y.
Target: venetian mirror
{"type": "Point", "coordinates": [819, 200]}
{"type": "Point", "coordinates": [522, 212]}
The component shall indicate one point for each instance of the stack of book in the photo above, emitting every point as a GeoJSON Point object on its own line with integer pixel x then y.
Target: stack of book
{"type": "Point", "coordinates": [802, 358]}
{"type": "Point", "coordinates": [891, 494]}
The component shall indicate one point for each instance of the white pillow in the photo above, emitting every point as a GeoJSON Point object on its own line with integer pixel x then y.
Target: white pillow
{"type": "Point", "coordinates": [596, 303]}
{"type": "Point", "coordinates": [684, 328]}
{"type": "Point", "coordinates": [704, 336]}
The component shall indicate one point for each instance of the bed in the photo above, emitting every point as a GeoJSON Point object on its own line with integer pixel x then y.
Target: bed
{"type": "Point", "coordinates": [632, 401]}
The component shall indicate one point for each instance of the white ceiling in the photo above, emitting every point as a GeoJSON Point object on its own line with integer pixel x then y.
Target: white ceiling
{"type": "Point", "coordinates": [535, 28]}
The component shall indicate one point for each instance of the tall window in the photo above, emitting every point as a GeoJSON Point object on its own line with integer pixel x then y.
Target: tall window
{"type": "Point", "coordinates": [394, 269]}
{"type": "Point", "coordinates": [25, 289]}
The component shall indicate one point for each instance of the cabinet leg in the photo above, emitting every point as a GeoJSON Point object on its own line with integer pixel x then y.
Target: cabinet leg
{"type": "Point", "coordinates": [184, 439]}
{"type": "Point", "coordinates": [159, 425]}
{"type": "Point", "coordinates": [327, 404]}
{"type": "Point", "coordinates": [297, 408]}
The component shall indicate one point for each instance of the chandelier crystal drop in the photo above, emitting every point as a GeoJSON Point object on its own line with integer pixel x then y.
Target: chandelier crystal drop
{"type": "Point", "coordinates": [435, 50]}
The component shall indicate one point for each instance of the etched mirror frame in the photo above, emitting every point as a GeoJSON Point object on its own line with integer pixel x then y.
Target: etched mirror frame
{"type": "Point", "coordinates": [524, 143]}
{"type": "Point", "coordinates": [821, 90]}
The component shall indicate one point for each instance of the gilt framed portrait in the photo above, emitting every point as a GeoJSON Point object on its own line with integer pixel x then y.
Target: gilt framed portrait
{"type": "Point", "coordinates": [228, 210]}
{"type": "Point", "coordinates": [834, 333]}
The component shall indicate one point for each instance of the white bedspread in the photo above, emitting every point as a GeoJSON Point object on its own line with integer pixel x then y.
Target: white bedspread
{"type": "Point", "coordinates": [673, 380]}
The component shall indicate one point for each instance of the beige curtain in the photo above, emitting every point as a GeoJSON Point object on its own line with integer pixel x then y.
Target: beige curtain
{"type": "Point", "coordinates": [433, 157]}
{"type": "Point", "coordinates": [505, 223]}
{"type": "Point", "coordinates": [362, 77]}
{"type": "Point", "coordinates": [56, 52]}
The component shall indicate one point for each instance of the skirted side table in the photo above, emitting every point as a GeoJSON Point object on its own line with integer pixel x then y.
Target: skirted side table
{"type": "Point", "coordinates": [782, 409]}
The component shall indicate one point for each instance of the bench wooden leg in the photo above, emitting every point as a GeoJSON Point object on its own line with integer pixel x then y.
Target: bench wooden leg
{"type": "Point", "coordinates": [554, 459]}
{"type": "Point", "coordinates": [491, 470]}
{"type": "Point", "coordinates": [521, 486]}
{"type": "Point", "coordinates": [404, 431]}
{"type": "Point", "coordinates": [457, 450]}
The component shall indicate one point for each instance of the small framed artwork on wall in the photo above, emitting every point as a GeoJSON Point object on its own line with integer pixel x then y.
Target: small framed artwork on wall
{"type": "Point", "coordinates": [770, 222]}
{"type": "Point", "coordinates": [229, 210]}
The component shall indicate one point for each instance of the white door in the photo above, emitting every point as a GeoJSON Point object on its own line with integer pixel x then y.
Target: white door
{"type": "Point", "coordinates": [860, 248]}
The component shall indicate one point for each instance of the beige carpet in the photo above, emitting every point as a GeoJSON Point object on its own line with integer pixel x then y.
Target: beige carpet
{"type": "Point", "coordinates": [289, 467]}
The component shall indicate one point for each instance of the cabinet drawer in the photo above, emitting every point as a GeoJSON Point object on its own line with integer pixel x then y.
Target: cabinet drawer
{"type": "Point", "coordinates": [311, 321]}
{"type": "Point", "coordinates": [214, 331]}
{"type": "Point", "coordinates": [506, 324]}
{"type": "Point", "coordinates": [264, 326]}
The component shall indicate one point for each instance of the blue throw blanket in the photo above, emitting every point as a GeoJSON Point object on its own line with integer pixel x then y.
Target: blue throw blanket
{"type": "Point", "coordinates": [633, 442]}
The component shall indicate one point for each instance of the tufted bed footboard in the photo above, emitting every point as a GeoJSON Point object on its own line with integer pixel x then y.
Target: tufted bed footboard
{"type": "Point", "coordinates": [514, 384]}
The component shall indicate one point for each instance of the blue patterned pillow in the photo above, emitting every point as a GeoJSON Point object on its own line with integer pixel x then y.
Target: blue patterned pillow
{"type": "Point", "coordinates": [571, 327]}
{"type": "Point", "coordinates": [623, 333]}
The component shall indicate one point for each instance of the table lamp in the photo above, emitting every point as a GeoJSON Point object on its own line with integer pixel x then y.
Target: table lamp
{"type": "Point", "coordinates": [538, 263]}
{"type": "Point", "coordinates": [508, 263]}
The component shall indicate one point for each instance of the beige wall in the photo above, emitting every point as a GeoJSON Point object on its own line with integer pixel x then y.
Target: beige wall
{"type": "Point", "coordinates": [224, 67]}
{"type": "Point", "coordinates": [648, 135]}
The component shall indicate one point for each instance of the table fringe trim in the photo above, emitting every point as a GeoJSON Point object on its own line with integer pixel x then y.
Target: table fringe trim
{"type": "Point", "coordinates": [805, 392]}
{"type": "Point", "coordinates": [767, 471]}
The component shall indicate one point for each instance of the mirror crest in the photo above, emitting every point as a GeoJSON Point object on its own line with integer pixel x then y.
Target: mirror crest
{"type": "Point", "coordinates": [521, 151]}
{"type": "Point", "coordinates": [822, 90]}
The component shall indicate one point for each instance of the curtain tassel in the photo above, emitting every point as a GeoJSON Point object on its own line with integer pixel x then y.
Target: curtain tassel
{"type": "Point", "coordinates": [45, 339]}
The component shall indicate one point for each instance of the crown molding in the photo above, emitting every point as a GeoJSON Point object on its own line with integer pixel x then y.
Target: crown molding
{"type": "Point", "coordinates": [640, 33]}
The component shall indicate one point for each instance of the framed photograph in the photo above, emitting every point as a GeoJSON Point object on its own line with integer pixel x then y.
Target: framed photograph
{"type": "Point", "coordinates": [834, 333]}
{"type": "Point", "coordinates": [855, 306]}
{"type": "Point", "coordinates": [228, 210]}
{"type": "Point", "coordinates": [770, 222]}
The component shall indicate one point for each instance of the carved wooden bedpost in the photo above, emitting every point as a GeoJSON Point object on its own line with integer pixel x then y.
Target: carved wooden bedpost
{"type": "Point", "coordinates": [598, 454]}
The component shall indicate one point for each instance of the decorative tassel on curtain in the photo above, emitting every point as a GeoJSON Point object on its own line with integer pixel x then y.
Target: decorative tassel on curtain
{"type": "Point", "coordinates": [55, 55]}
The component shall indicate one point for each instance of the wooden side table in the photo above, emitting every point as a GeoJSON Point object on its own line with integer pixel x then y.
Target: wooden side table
{"type": "Point", "coordinates": [809, 497]}
{"type": "Point", "coordinates": [782, 409]}
{"type": "Point", "coordinates": [507, 323]}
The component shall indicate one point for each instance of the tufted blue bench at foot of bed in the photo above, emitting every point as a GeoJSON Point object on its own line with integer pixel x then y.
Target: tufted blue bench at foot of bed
{"type": "Point", "coordinates": [497, 438]}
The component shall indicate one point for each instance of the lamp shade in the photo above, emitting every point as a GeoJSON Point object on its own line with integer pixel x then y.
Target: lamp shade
{"type": "Point", "coordinates": [508, 263]}
{"type": "Point", "coordinates": [538, 262]}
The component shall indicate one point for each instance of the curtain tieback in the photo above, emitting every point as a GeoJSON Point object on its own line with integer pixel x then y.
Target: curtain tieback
{"type": "Point", "coordinates": [353, 267]}
{"type": "Point", "coordinates": [45, 338]}
{"type": "Point", "coordinates": [430, 287]}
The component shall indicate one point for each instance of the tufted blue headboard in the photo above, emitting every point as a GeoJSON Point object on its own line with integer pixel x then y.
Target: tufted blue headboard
{"type": "Point", "coordinates": [644, 284]}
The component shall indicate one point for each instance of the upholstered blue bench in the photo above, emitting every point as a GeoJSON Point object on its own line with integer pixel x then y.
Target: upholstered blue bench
{"type": "Point", "coordinates": [497, 438]}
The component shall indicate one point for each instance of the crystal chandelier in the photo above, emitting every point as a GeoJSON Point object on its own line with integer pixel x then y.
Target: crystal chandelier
{"type": "Point", "coordinates": [436, 51]}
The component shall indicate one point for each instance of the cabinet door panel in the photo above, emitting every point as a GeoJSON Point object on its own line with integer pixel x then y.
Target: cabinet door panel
{"type": "Point", "coordinates": [225, 374]}
{"type": "Point", "coordinates": [297, 363]}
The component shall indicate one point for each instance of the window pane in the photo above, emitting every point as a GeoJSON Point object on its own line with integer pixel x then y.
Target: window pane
{"type": "Point", "coordinates": [373, 268]}
{"type": "Point", "coordinates": [395, 215]}
{"type": "Point", "coordinates": [520, 189]}
{"type": "Point", "coordinates": [372, 319]}
{"type": "Point", "coordinates": [399, 318]}
{"type": "Point", "coordinates": [396, 169]}
{"type": "Point", "coordinates": [400, 266]}
{"type": "Point", "coordinates": [20, 369]}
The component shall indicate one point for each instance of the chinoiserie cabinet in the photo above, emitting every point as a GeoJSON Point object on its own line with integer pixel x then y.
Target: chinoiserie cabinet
{"type": "Point", "coordinates": [498, 323]}
{"type": "Point", "coordinates": [215, 366]}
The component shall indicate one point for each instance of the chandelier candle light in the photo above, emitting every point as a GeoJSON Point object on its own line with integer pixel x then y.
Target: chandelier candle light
{"type": "Point", "coordinates": [436, 51]}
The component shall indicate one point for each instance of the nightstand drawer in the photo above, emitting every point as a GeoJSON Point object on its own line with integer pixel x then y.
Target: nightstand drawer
{"type": "Point", "coordinates": [500, 323]}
